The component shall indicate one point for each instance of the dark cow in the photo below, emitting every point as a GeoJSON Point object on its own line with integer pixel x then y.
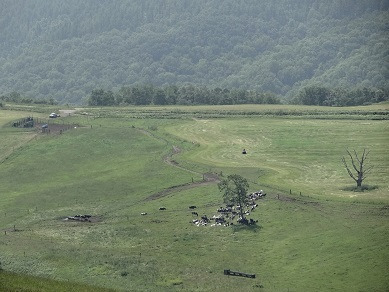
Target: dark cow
{"type": "Point", "coordinates": [162, 208]}
{"type": "Point", "coordinates": [220, 220]}
{"type": "Point", "coordinates": [192, 207]}
{"type": "Point", "coordinates": [224, 210]}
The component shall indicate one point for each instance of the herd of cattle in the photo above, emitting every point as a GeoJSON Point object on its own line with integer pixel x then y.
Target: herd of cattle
{"type": "Point", "coordinates": [226, 215]}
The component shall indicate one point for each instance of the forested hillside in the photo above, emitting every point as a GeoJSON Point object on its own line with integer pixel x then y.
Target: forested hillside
{"type": "Point", "coordinates": [66, 49]}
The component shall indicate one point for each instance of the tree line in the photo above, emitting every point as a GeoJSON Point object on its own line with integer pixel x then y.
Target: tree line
{"type": "Point", "coordinates": [16, 97]}
{"type": "Point", "coordinates": [149, 94]}
{"type": "Point", "coordinates": [321, 95]}
{"type": "Point", "coordinates": [179, 95]}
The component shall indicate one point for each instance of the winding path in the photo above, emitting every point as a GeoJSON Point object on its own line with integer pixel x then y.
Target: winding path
{"type": "Point", "coordinates": [208, 178]}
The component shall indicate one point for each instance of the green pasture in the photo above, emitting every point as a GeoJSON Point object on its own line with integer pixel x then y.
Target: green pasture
{"type": "Point", "coordinates": [12, 138]}
{"type": "Point", "coordinates": [299, 155]}
{"type": "Point", "coordinates": [114, 167]}
{"type": "Point", "coordinates": [17, 283]}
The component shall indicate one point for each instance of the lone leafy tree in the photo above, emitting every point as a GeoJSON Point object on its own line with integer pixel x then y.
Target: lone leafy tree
{"type": "Point", "coordinates": [359, 168]}
{"type": "Point", "coordinates": [235, 191]}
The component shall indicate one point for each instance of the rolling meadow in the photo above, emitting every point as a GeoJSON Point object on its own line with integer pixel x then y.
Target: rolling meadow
{"type": "Point", "coordinates": [314, 233]}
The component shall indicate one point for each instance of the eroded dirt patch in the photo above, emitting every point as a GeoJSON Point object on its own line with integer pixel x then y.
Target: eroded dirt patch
{"type": "Point", "coordinates": [296, 200]}
{"type": "Point", "coordinates": [55, 128]}
{"type": "Point", "coordinates": [66, 113]}
{"type": "Point", "coordinates": [179, 188]}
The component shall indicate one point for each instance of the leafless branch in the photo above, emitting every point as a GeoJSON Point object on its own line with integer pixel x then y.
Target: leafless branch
{"type": "Point", "coordinates": [356, 156]}
{"type": "Point", "coordinates": [348, 169]}
{"type": "Point", "coordinates": [352, 160]}
{"type": "Point", "coordinates": [365, 172]}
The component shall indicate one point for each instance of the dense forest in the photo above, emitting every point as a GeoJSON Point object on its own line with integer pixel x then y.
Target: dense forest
{"type": "Point", "coordinates": [65, 50]}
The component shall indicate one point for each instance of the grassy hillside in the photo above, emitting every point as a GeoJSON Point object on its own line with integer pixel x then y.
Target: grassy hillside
{"type": "Point", "coordinates": [64, 50]}
{"type": "Point", "coordinates": [12, 282]}
{"type": "Point", "coordinates": [121, 162]}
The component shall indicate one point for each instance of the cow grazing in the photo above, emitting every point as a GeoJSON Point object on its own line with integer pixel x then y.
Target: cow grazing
{"type": "Point", "coordinates": [162, 208]}
{"type": "Point", "coordinates": [192, 207]}
{"type": "Point", "coordinates": [224, 210]}
{"type": "Point", "coordinates": [195, 213]}
{"type": "Point", "coordinates": [220, 220]}
{"type": "Point", "coordinates": [252, 222]}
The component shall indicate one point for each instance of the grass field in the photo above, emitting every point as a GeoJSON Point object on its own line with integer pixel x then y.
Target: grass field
{"type": "Point", "coordinates": [12, 138]}
{"type": "Point", "coordinates": [120, 163]}
{"type": "Point", "coordinates": [302, 155]}
{"type": "Point", "coordinates": [16, 283]}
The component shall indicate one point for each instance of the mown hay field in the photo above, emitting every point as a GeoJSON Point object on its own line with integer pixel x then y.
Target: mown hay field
{"type": "Point", "coordinates": [118, 165]}
{"type": "Point", "coordinates": [300, 155]}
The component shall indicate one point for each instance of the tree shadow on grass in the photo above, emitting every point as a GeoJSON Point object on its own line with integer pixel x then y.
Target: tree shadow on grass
{"type": "Point", "coordinates": [364, 188]}
{"type": "Point", "coordinates": [240, 227]}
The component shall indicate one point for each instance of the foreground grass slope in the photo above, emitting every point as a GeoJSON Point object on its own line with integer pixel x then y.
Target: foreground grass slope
{"type": "Point", "coordinates": [12, 282]}
{"type": "Point", "coordinates": [113, 169]}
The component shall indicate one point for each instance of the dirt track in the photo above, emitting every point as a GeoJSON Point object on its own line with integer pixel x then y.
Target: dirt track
{"type": "Point", "coordinates": [179, 188]}
{"type": "Point", "coordinates": [54, 128]}
{"type": "Point", "coordinates": [65, 113]}
{"type": "Point", "coordinates": [208, 178]}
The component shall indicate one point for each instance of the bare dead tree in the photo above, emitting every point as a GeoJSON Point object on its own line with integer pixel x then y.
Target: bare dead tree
{"type": "Point", "coordinates": [359, 169]}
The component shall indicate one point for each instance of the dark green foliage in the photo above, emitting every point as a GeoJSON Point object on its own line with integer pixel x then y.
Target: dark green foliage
{"type": "Point", "coordinates": [319, 95]}
{"type": "Point", "coordinates": [183, 95]}
{"type": "Point", "coordinates": [101, 97]}
{"type": "Point", "coordinates": [16, 97]}
{"type": "Point", "coordinates": [234, 189]}
{"type": "Point", "coordinates": [66, 49]}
